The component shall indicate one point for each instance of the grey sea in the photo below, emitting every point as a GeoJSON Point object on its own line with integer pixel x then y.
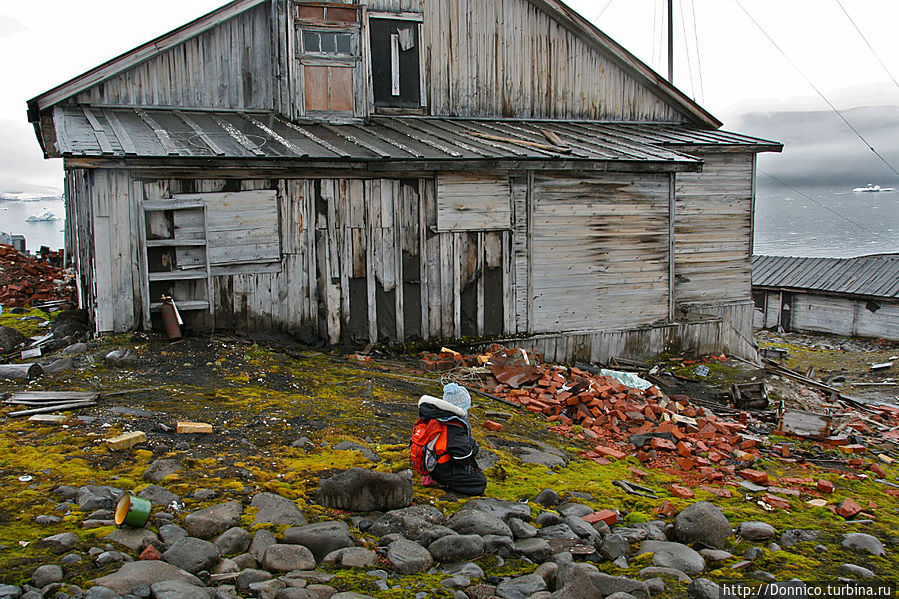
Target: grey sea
{"type": "Point", "coordinates": [819, 222]}
{"type": "Point", "coordinates": [826, 222]}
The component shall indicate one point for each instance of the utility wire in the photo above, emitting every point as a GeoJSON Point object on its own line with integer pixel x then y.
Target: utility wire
{"type": "Point", "coordinates": [603, 11]}
{"type": "Point", "coordinates": [655, 36]}
{"type": "Point", "coordinates": [698, 61]}
{"type": "Point", "coordinates": [683, 22]}
{"type": "Point", "coordinates": [846, 218]}
{"type": "Point", "coordinates": [818, 91]}
{"type": "Point", "coordinates": [870, 47]}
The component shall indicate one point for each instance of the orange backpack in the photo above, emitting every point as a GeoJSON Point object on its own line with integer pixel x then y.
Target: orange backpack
{"type": "Point", "coordinates": [428, 446]}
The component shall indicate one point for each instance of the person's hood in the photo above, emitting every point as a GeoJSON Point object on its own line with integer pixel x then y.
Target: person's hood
{"type": "Point", "coordinates": [441, 405]}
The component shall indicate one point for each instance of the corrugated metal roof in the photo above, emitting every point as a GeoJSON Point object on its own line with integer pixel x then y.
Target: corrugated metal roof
{"type": "Point", "coordinates": [126, 132]}
{"type": "Point", "coordinates": [872, 276]}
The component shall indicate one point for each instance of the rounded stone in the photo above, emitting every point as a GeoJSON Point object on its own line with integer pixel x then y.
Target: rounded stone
{"type": "Point", "coordinates": [408, 557]}
{"type": "Point", "coordinates": [863, 542]}
{"type": "Point", "coordinates": [44, 575]}
{"type": "Point", "coordinates": [233, 541]}
{"type": "Point", "coordinates": [352, 557]}
{"type": "Point", "coordinates": [704, 523]}
{"type": "Point", "coordinates": [756, 531]}
{"type": "Point", "coordinates": [521, 587]}
{"type": "Point", "coordinates": [457, 548]}
{"type": "Point", "coordinates": [285, 558]}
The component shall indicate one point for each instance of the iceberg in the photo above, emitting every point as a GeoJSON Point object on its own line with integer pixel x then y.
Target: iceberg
{"type": "Point", "coordinates": [45, 217]}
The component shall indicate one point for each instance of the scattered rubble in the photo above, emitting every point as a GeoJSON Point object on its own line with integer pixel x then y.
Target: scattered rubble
{"type": "Point", "coordinates": [28, 280]}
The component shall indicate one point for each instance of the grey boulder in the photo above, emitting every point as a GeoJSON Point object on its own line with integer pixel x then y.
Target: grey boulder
{"type": "Point", "coordinates": [277, 510]}
{"type": "Point", "coordinates": [192, 554]}
{"type": "Point", "coordinates": [233, 541]}
{"type": "Point", "coordinates": [704, 523]}
{"type": "Point", "coordinates": [674, 555]}
{"type": "Point", "coordinates": [352, 557]}
{"type": "Point", "coordinates": [286, 558]}
{"type": "Point", "coordinates": [94, 497]}
{"type": "Point", "coordinates": [321, 538]}
{"type": "Point", "coordinates": [473, 522]}
{"type": "Point", "coordinates": [159, 496]}
{"type": "Point", "coordinates": [162, 468]}
{"type": "Point", "coordinates": [212, 521]}
{"type": "Point", "coordinates": [178, 589]}
{"type": "Point", "coordinates": [133, 574]}
{"type": "Point", "coordinates": [408, 557]}
{"type": "Point", "coordinates": [863, 542]}
{"type": "Point", "coordinates": [47, 574]}
{"type": "Point", "coordinates": [521, 587]}
{"type": "Point", "coordinates": [756, 531]}
{"type": "Point", "coordinates": [361, 490]}
{"type": "Point", "coordinates": [457, 548]}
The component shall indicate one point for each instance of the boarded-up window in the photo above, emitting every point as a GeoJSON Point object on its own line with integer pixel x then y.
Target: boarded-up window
{"type": "Point", "coordinates": [241, 227]}
{"type": "Point", "coordinates": [473, 202]}
{"type": "Point", "coordinates": [396, 62]}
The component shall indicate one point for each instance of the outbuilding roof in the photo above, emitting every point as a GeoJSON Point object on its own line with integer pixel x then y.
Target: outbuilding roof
{"type": "Point", "coordinates": [84, 131]}
{"type": "Point", "coordinates": [870, 276]}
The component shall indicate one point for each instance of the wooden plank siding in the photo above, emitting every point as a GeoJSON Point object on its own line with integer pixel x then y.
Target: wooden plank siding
{"type": "Point", "coordinates": [487, 58]}
{"type": "Point", "coordinates": [839, 315]}
{"type": "Point", "coordinates": [230, 66]}
{"type": "Point", "coordinates": [713, 231]}
{"type": "Point", "coordinates": [599, 254]}
{"type": "Point", "coordinates": [360, 260]}
{"type": "Point", "coordinates": [509, 58]}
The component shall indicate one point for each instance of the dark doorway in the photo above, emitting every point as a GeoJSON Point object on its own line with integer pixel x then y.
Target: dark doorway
{"type": "Point", "coordinates": [786, 311]}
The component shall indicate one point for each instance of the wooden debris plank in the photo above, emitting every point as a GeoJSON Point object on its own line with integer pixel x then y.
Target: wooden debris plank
{"type": "Point", "coordinates": [55, 395]}
{"type": "Point", "coordinates": [54, 408]}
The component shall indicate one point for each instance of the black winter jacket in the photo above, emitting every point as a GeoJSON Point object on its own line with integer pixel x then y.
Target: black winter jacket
{"type": "Point", "coordinates": [459, 442]}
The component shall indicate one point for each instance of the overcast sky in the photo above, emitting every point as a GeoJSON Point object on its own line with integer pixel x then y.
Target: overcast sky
{"type": "Point", "coordinates": [44, 45]}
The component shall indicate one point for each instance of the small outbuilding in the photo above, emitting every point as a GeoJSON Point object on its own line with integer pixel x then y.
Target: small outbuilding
{"type": "Point", "coordinates": [390, 170]}
{"type": "Point", "coordinates": [843, 296]}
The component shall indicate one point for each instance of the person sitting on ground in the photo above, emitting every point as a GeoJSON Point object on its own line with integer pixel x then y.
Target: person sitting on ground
{"type": "Point", "coordinates": [456, 468]}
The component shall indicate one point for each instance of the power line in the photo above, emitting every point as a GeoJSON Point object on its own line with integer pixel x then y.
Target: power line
{"type": "Point", "coordinates": [603, 11]}
{"type": "Point", "coordinates": [683, 22]}
{"type": "Point", "coordinates": [698, 54]}
{"type": "Point", "coordinates": [818, 91]}
{"type": "Point", "coordinates": [829, 209]}
{"type": "Point", "coordinates": [870, 47]}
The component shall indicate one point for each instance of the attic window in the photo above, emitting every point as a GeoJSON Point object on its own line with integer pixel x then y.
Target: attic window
{"type": "Point", "coordinates": [396, 60]}
{"type": "Point", "coordinates": [329, 58]}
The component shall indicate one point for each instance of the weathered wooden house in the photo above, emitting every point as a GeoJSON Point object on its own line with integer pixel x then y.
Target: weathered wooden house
{"type": "Point", "coordinates": [401, 169]}
{"type": "Point", "coordinates": [842, 296]}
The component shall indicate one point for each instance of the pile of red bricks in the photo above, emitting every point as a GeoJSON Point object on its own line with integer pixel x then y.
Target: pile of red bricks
{"type": "Point", "coordinates": [25, 280]}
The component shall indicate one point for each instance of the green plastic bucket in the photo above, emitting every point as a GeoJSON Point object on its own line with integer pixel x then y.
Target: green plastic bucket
{"type": "Point", "coordinates": [132, 511]}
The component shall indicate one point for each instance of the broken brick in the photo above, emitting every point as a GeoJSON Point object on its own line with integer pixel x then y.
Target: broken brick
{"type": "Point", "coordinates": [607, 516]}
{"type": "Point", "coordinates": [194, 427]}
{"type": "Point", "coordinates": [493, 426]}
{"type": "Point", "coordinates": [848, 508]}
{"type": "Point", "coordinates": [683, 450]}
{"type": "Point", "coordinates": [666, 509]}
{"type": "Point", "coordinates": [662, 444]}
{"type": "Point", "coordinates": [775, 501]}
{"type": "Point", "coordinates": [686, 463]}
{"type": "Point", "coordinates": [126, 441]}
{"type": "Point", "coordinates": [824, 486]}
{"type": "Point", "coordinates": [150, 553]}
{"type": "Point", "coordinates": [759, 478]}
{"type": "Point", "coordinates": [682, 492]}
{"type": "Point", "coordinates": [610, 452]}
{"type": "Point", "coordinates": [878, 470]}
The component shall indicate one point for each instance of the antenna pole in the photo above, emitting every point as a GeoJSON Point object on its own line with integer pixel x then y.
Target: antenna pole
{"type": "Point", "coordinates": [671, 41]}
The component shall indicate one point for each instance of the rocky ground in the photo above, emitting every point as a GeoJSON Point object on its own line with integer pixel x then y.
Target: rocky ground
{"type": "Point", "coordinates": [302, 487]}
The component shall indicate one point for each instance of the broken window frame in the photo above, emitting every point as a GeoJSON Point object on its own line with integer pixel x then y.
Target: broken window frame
{"type": "Point", "coordinates": [400, 106]}
{"type": "Point", "coordinates": [313, 18]}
